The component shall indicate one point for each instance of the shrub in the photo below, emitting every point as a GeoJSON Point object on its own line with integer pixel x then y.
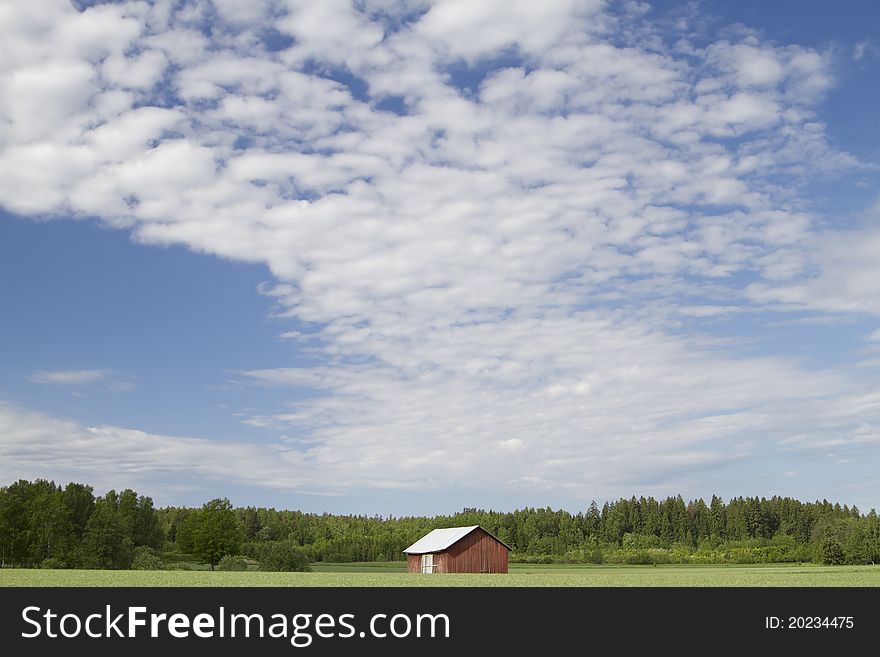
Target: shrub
{"type": "Point", "coordinates": [283, 556]}
{"type": "Point", "coordinates": [53, 563]}
{"type": "Point", "coordinates": [232, 563]}
{"type": "Point", "coordinates": [637, 558]}
{"type": "Point", "coordinates": [145, 558]}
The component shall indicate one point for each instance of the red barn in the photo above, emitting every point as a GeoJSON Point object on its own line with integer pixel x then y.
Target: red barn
{"type": "Point", "coordinates": [457, 550]}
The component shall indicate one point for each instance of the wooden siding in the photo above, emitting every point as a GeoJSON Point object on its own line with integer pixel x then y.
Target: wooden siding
{"type": "Point", "coordinates": [478, 552]}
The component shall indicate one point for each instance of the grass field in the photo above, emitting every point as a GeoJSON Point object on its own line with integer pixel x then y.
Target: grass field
{"type": "Point", "coordinates": [392, 574]}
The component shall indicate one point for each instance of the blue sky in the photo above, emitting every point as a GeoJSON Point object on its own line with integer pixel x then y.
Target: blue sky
{"type": "Point", "coordinates": [406, 257]}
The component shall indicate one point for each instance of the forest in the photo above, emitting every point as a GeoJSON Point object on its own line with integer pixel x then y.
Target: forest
{"type": "Point", "coordinates": [52, 526]}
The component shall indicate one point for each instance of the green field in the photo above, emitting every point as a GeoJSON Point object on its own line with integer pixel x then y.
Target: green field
{"type": "Point", "coordinates": [392, 574]}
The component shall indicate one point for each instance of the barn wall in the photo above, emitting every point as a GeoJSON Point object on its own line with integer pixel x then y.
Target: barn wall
{"type": "Point", "coordinates": [475, 553]}
{"type": "Point", "coordinates": [414, 563]}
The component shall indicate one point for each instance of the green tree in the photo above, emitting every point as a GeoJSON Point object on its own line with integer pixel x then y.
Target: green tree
{"type": "Point", "coordinates": [51, 531]}
{"type": "Point", "coordinates": [104, 543]}
{"type": "Point", "coordinates": [832, 552]}
{"type": "Point", "coordinates": [6, 528]}
{"type": "Point", "coordinates": [146, 529]}
{"type": "Point", "coordinates": [16, 507]}
{"type": "Point", "coordinates": [139, 520]}
{"type": "Point", "coordinates": [80, 499]}
{"type": "Point", "coordinates": [872, 537]}
{"type": "Point", "coordinates": [185, 533]}
{"type": "Point", "coordinates": [251, 522]}
{"type": "Point", "coordinates": [127, 512]}
{"type": "Point", "coordinates": [217, 532]}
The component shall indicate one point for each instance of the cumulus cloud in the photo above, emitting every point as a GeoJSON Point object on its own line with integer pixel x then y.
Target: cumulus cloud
{"type": "Point", "coordinates": [495, 214]}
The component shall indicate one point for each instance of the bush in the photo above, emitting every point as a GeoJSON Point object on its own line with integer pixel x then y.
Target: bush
{"type": "Point", "coordinates": [637, 558]}
{"type": "Point", "coordinates": [232, 563]}
{"type": "Point", "coordinates": [53, 563]}
{"type": "Point", "coordinates": [145, 558]}
{"type": "Point", "coordinates": [283, 556]}
{"type": "Point", "coordinates": [178, 565]}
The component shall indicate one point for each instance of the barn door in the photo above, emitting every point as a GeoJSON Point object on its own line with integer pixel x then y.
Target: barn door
{"type": "Point", "coordinates": [427, 563]}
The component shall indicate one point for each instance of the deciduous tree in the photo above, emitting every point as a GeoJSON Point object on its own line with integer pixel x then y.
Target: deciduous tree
{"type": "Point", "coordinates": [217, 532]}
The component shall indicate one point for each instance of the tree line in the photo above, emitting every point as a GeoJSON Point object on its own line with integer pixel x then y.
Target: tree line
{"type": "Point", "coordinates": [42, 524]}
{"type": "Point", "coordinates": [46, 525]}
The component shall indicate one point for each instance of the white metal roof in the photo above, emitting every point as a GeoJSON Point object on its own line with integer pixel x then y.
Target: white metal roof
{"type": "Point", "coordinates": [439, 539]}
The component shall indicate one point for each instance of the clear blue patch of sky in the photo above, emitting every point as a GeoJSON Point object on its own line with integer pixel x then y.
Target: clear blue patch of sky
{"type": "Point", "coordinates": [468, 76]}
{"type": "Point", "coordinates": [801, 473]}
{"type": "Point", "coordinates": [807, 22]}
{"type": "Point", "coordinates": [357, 87]}
{"type": "Point", "coordinates": [274, 41]}
{"type": "Point", "coordinates": [394, 104]}
{"type": "Point", "coordinates": [176, 325]}
{"type": "Point", "coordinates": [844, 201]}
{"type": "Point", "coordinates": [814, 341]}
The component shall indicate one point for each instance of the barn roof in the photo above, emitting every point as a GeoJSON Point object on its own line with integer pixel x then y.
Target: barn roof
{"type": "Point", "coordinates": [441, 539]}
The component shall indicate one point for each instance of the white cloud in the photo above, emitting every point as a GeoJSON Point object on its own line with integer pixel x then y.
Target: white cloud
{"type": "Point", "coordinates": [479, 29]}
{"type": "Point", "coordinates": [478, 429]}
{"type": "Point", "coordinates": [573, 403]}
{"type": "Point", "coordinates": [75, 380]}
{"type": "Point", "coordinates": [140, 72]}
{"type": "Point", "coordinates": [36, 445]}
{"type": "Point", "coordinates": [756, 67]}
{"type": "Point", "coordinates": [504, 253]}
{"type": "Point", "coordinates": [865, 49]}
{"type": "Point", "coordinates": [847, 279]}
{"type": "Point", "coordinates": [68, 377]}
